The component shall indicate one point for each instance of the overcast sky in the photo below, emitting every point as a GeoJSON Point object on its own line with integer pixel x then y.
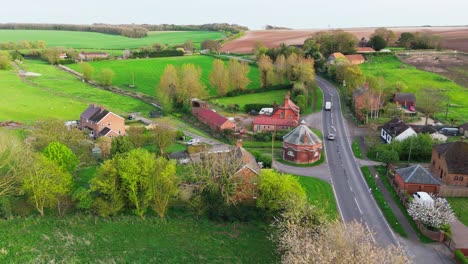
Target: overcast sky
{"type": "Point", "coordinates": [252, 13]}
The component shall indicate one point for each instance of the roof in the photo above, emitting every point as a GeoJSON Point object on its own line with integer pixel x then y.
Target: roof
{"type": "Point", "coordinates": [302, 135]}
{"type": "Point", "coordinates": [395, 126]}
{"type": "Point", "coordinates": [270, 120]}
{"type": "Point", "coordinates": [179, 155]}
{"type": "Point", "coordinates": [416, 174]}
{"type": "Point", "coordinates": [90, 111]}
{"type": "Point", "coordinates": [455, 154]}
{"type": "Point", "coordinates": [355, 58]}
{"type": "Point", "coordinates": [98, 116]}
{"type": "Point", "coordinates": [105, 131]}
{"type": "Point", "coordinates": [364, 49]}
{"type": "Point", "coordinates": [288, 104]}
{"type": "Point", "coordinates": [212, 116]}
{"type": "Point", "coordinates": [361, 90]}
{"type": "Point", "coordinates": [338, 55]}
{"type": "Point", "coordinates": [248, 160]}
{"type": "Point", "coordinates": [401, 97]}
{"type": "Point", "coordinates": [424, 129]}
{"type": "Point", "coordinates": [464, 126]}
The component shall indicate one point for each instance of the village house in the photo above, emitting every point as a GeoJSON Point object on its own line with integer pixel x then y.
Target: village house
{"type": "Point", "coordinates": [464, 130]}
{"type": "Point", "coordinates": [301, 145]}
{"type": "Point", "coordinates": [364, 101]}
{"type": "Point", "coordinates": [86, 56]}
{"type": "Point", "coordinates": [432, 131]}
{"type": "Point", "coordinates": [364, 50]}
{"type": "Point", "coordinates": [413, 179]}
{"type": "Point", "coordinates": [355, 58]}
{"type": "Point", "coordinates": [449, 163]}
{"type": "Point", "coordinates": [336, 56]}
{"type": "Point", "coordinates": [405, 100]}
{"type": "Point", "coordinates": [209, 117]}
{"type": "Point", "coordinates": [283, 117]}
{"type": "Point", "coordinates": [397, 130]}
{"type": "Point", "coordinates": [101, 122]}
{"type": "Point", "coordinates": [62, 56]}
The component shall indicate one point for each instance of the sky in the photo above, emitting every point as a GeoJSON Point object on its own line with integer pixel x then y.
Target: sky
{"type": "Point", "coordinates": [255, 14]}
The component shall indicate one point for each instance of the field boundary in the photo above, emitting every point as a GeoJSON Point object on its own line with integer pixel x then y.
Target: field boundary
{"type": "Point", "coordinates": [428, 52]}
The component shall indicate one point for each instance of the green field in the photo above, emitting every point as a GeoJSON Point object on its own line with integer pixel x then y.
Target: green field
{"type": "Point", "coordinates": [55, 94]}
{"type": "Point", "coordinates": [393, 70]}
{"type": "Point", "coordinates": [92, 40]}
{"type": "Point", "coordinates": [129, 239]}
{"type": "Point", "coordinates": [460, 208]}
{"type": "Point", "coordinates": [257, 98]}
{"type": "Point", "coordinates": [320, 193]}
{"type": "Point", "coordinates": [147, 72]}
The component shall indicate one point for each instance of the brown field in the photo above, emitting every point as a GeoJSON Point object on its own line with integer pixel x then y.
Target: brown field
{"type": "Point", "coordinates": [454, 37]}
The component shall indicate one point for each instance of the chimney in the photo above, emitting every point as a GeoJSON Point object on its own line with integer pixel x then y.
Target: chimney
{"type": "Point", "coordinates": [102, 108]}
{"type": "Point", "coordinates": [288, 95]}
{"type": "Point", "coordinates": [239, 143]}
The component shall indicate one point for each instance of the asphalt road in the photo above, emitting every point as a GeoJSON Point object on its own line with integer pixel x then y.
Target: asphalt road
{"type": "Point", "coordinates": [353, 196]}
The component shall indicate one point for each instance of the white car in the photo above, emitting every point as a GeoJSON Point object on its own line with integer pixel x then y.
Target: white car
{"type": "Point", "coordinates": [331, 136]}
{"type": "Point", "coordinates": [193, 141]}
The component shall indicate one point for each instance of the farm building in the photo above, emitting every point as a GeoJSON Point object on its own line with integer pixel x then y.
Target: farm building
{"type": "Point", "coordinates": [336, 56]}
{"type": "Point", "coordinates": [209, 117]}
{"type": "Point", "coordinates": [449, 163]}
{"type": "Point", "coordinates": [405, 100]}
{"type": "Point", "coordinates": [396, 129]}
{"type": "Point", "coordinates": [301, 145]}
{"type": "Point", "coordinates": [364, 50]}
{"type": "Point", "coordinates": [355, 58]}
{"type": "Point", "coordinates": [283, 117]}
{"type": "Point", "coordinates": [413, 179]}
{"type": "Point", "coordinates": [85, 56]}
{"type": "Point", "coordinates": [364, 101]}
{"type": "Point", "coordinates": [101, 123]}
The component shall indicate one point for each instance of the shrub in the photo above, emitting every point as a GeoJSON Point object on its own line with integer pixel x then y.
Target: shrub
{"type": "Point", "coordinates": [83, 198]}
{"type": "Point", "coordinates": [460, 257]}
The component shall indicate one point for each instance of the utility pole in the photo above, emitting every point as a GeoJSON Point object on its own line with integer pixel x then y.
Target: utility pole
{"type": "Point", "coordinates": [410, 147]}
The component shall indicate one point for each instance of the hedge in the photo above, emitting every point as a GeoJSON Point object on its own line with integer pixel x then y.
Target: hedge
{"type": "Point", "coordinates": [157, 54]}
{"type": "Point", "coordinates": [460, 257]}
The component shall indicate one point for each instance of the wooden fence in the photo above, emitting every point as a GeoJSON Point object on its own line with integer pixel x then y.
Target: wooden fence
{"type": "Point", "coordinates": [452, 191]}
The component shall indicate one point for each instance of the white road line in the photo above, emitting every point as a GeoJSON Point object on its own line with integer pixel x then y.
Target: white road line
{"type": "Point", "coordinates": [338, 203]}
{"type": "Point", "coordinates": [370, 232]}
{"type": "Point", "coordinates": [333, 128]}
{"type": "Point", "coordinates": [359, 208]}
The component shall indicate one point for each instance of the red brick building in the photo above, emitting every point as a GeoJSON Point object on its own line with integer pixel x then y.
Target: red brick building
{"type": "Point", "coordinates": [284, 116]}
{"type": "Point", "coordinates": [364, 101]}
{"type": "Point", "coordinates": [301, 145]}
{"type": "Point", "coordinates": [449, 163]}
{"type": "Point", "coordinates": [101, 122]}
{"type": "Point", "coordinates": [414, 179]}
{"type": "Point", "coordinates": [405, 100]}
{"type": "Point", "coordinates": [209, 117]}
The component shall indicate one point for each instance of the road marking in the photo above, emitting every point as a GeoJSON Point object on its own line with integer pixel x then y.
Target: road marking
{"type": "Point", "coordinates": [338, 203]}
{"type": "Point", "coordinates": [333, 128]}
{"type": "Point", "coordinates": [359, 208]}
{"type": "Point", "coordinates": [370, 232]}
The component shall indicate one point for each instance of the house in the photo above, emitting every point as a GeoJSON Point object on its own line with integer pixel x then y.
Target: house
{"type": "Point", "coordinates": [397, 130]}
{"type": "Point", "coordinates": [335, 56]}
{"type": "Point", "coordinates": [414, 179]}
{"type": "Point", "coordinates": [62, 56]}
{"type": "Point", "coordinates": [426, 129]}
{"type": "Point", "coordinates": [101, 122]}
{"type": "Point", "coordinates": [283, 117]}
{"type": "Point", "coordinates": [449, 163]}
{"type": "Point", "coordinates": [405, 100]}
{"type": "Point", "coordinates": [364, 50]}
{"type": "Point", "coordinates": [464, 130]}
{"type": "Point", "coordinates": [92, 56]}
{"type": "Point", "coordinates": [364, 101]}
{"type": "Point", "coordinates": [355, 58]}
{"type": "Point", "coordinates": [209, 117]}
{"type": "Point", "coordinates": [301, 145]}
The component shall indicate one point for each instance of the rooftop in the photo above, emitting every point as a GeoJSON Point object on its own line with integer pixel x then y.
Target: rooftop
{"type": "Point", "coordinates": [455, 154]}
{"type": "Point", "coordinates": [416, 174]}
{"type": "Point", "coordinates": [302, 135]}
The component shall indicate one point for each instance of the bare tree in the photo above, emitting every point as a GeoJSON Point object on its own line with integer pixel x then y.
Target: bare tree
{"type": "Point", "coordinates": [434, 214]}
{"type": "Point", "coordinates": [430, 101]}
{"type": "Point", "coordinates": [163, 137]}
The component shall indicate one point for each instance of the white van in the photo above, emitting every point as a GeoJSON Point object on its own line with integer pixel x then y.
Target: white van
{"type": "Point", "coordinates": [327, 105]}
{"type": "Point", "coordinates": [423, 197]}
{"type": "Point", "coordinates": [449, 131]}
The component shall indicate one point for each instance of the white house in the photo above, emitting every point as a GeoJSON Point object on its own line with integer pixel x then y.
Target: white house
{"type": "Point", "coordinates": [397, 130]}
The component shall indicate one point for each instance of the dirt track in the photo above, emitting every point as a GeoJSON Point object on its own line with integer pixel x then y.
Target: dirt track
{"type": "Point", "coordinates": [454, 37]}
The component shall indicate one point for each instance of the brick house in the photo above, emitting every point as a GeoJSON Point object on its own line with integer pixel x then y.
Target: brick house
{"type": "Point", "coordinates": [301, 145]}
{"type": "Point", "coordinates": [364, 100]}
{"type": "Point", "coordinates": [101, 122]}
{"type": "Point", "coordinates": [449, 163]}
{"type": "Point", "coordinates": [355, 58]}
{"type": "Point", "coordinates": [405, 100]}
{"type": "Point", "coordinates": [396, 129]}
{"type": "Point", "coordinates": [215, 121]}
{"type": "Point", "coordinates": [414, 179]}
{"type": "Point", "coordinates": [284, 116]}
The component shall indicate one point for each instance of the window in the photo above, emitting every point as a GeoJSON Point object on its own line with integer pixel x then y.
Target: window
{"type": "Point", "coordinates": [456, 178]}
{"type": "Point", "coordinates": [119, 131]}
{"type": "Point", "coordinates": [282, 115]}
{"type": "Point", "coordinates": [460, 178]}
{"type": "Point", "coordinates": [109, 124]}
{"type": "Point", "coordinates": [290, 153]}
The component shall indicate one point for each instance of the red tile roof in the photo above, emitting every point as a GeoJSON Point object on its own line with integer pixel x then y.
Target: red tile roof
{"type": "Point", "coordinates": [288, 104]}
{"type": "Point", "coordinates": [338, 55]}
{"type": "Point", "coordinates": [364, 49]}
{"type": "Point", "coordinates": [269, 120]}
{"type": "Point", "coordinates": [212, 117]}
{"type": "Point", "coordinates": [355, 58]}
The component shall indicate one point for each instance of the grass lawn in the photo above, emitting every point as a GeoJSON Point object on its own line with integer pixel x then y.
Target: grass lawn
{"type": "Point", "coordinates": [129, 239]}
{"type": "Point", "coordinates": [393, 70]}
{"type": "Point", "coordinates": [92, 40]}
{"type": "Point", "coordinates": [55, 94]}
{"type": "Point", "coordinates": [356, 149]}
{"type": "Point", "coordinates": [460, 208]}
{"type": "Point", "coordinates": [147, 72]}
{"type": "Point", "coordinates": [257, 98]}
{"type": "Point", "coordinates": [320, 193]}
{"type": "Point", "coordinates": [85, 175]}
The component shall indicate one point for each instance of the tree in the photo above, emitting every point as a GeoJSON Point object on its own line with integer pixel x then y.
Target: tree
{"type": "Point", "coordinates": [106, 77]}
{"type": "Point", "coordinates": [188, 45]}
{"type": "Point", "coordinates": [238, 72]}
{"type": "Point", "coordinates": [211, 45]}
{"type": "Point", "coordinates": [137, 135]}
{"type": "Point", "coordinates": [52, 55]}
{"type": "Point", "coordinates": [163, 185]}
{"type": "Point", "coordinates": [87, 70]}
{"type": "Point", "coordinates": [62, 156]}
{"type": "Point", "coordinates": [290, 64]}
{"type": "Point", "coordinates": [219, 77]}
{"type": "Point", "coordinates": [279, 192]}
{"type": "Point", "coordinates": [353, 77]}
{"type": "Point", "coordinates": [163, 137]}
{"type": "Point", "coordinates": [5, 61]}
{"type": "Point", "coordinates": [45, 182]}
{"type": "Point", "coordinates": [335, 41]}
{"type": "Point", "coordinates": [121, 145]}
{"type": "Point", "coordinates": [168, 85]}
{"type": "Point", "coordinates": [430, 101]}
{"type": "Point", "coordinates": [433, 215]}
{"type": "Point", "coordinates": [265, 66]}
{"type": "Point", "coordinates": [104, 143]}
{"type": "Point", "coordinates": [280, 68]}
{"type": "Point", "coordinates": [387, 35]}
{"type": "Point", "coordinates": [301, 101]}
{"type": "Point", "coordinates": [377, 42]}
{"type": "Point", "coordinates": [190, 84]}
{"type": "Point", "coordinates": [406, 39]}
{"type": "Point", "coordinates": [11, 164]}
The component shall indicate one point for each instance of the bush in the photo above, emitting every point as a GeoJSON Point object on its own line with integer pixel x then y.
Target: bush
{"type": "Point", "coordinates": [460, 257]}
{"type": "Point", "coordinates": [265, 159]}
{"type": "Point", "coordinates": [259, 90]}
{"type": "Point", "coordinates": [157, 54]}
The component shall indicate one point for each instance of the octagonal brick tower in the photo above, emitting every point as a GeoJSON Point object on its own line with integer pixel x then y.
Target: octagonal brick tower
{"type": "Point", "coordinates": [301, 145]}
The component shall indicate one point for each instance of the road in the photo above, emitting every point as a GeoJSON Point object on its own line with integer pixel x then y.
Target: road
{"type": "Point", "coordinates": [354, 198]}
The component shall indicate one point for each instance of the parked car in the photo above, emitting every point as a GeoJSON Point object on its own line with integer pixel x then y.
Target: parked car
{"type": "Point", "coordinates": [131, 117]}
{"type": "Point", "coordinates": [449, 131]}
{"type": "Point", "coordinates": [193, 141]}
{"type": "Point", "coordinates": [331, 136]}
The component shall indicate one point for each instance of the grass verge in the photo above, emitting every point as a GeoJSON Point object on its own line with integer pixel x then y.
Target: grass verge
{"type": "Point", "coordinates": [320, 193]}
{"type": "Point", "coordinates": [356, 149]}
{"type": "Point", "coordinates": [460, 208]}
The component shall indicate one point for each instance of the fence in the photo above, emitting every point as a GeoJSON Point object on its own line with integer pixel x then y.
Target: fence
{"type": "Point", "coordinates": [452, 191]}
